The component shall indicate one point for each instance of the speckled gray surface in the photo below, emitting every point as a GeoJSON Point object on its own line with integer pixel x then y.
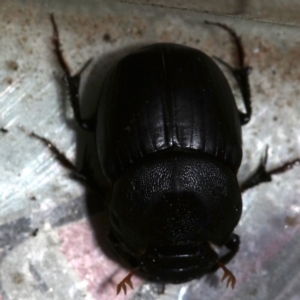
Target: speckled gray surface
{"type": "Point", "coordinates": [283, 12]}
{"type": "Point", "coordinates": [60, 260]}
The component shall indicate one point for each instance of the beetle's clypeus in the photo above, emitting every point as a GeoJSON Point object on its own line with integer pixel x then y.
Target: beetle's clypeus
{"type": "Point", "coordinates": [168, 137]}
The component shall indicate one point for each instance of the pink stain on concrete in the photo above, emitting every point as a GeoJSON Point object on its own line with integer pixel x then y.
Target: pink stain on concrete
{"type": "Point", "coordinates": [90, 264]}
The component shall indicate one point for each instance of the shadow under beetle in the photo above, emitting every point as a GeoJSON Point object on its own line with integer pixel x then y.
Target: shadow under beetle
{"type": "Point", "coordinates": [168, 137]}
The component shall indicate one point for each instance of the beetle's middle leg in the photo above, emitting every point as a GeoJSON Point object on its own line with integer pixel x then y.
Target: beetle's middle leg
{"type": "Point", "coordinates": [241, 73]}
{"type": "Point", "coordinates": [73, 82]}
{"type": "Point", "coordinates": [261, 175]}
{"type": "Point", "coordinates": [233, 245]}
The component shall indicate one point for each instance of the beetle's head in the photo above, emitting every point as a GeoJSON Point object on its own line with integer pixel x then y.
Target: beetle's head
{"type": "Point", "coordinates": [164, 214]}
{"type": "Point", "coordinates": [178, 263]}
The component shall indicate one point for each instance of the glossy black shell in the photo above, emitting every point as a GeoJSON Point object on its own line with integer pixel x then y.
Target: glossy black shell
{"type": "Point", "coordinates": [162, 97]}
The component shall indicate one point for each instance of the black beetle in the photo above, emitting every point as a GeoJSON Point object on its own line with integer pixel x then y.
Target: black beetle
{"type": "Point", "coordinates": [168, 136]}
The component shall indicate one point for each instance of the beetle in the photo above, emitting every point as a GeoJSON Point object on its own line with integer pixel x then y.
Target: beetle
{"type": "Point", "coordinates": [168, 137]}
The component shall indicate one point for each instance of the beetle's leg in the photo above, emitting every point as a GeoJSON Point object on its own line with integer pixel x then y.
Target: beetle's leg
{"type": "Point", "coordinates": [227, 274]}
{"type": "Point", "coordinates": [72, 82]}
{"type": "Point", "coordinates": [241, 73]}
{"type": "Point", "coordinates": [77, 174]}
{"type": "Point", "coordinates": [285, 167]}
{"type": "Point", "coordinates": [233, 245]}
{"type": "Point", "coordinates": [83, 175]}
{"type": "Point", "coordinates": [262, 175]}
{"type": "Point", "coordinates": [59, 155]}
{"type": "Point", "coordinates": [126, 280]}
{"type": "Point", "coordinates": [259, 175]}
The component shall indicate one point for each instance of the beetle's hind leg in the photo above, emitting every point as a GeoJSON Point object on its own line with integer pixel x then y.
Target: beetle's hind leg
{"type": "Point", "coordinates": [241, 73]}
{"type": "Point", "coordinates": [78, 174]}
{"type": "Point", "coordinates": [72, 82]}
{"type": "Point", "coordinates": [261, 175]}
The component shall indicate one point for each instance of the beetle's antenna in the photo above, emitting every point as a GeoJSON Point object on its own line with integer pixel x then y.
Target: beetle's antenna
{"type": "Point", "coordinates": [126, 280]}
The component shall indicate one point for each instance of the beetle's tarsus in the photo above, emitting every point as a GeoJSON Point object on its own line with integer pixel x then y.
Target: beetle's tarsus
{"type": "Point", "coordinates": [285, 167]}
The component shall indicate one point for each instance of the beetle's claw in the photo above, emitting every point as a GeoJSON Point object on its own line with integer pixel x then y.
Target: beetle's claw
{"type": "Point", "coordinates": [227, 274]}
{"type": "Point", "coordinates": [231, 279]}
{"type": "Point", "coordinates": [126, 280]}
{"type": "Point", "coordinates": [122, 285]}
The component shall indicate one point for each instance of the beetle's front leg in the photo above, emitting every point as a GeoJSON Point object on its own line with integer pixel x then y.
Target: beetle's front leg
{"type": "Point", "coordinates": [233, 245]}
{"type": "Point", "coordinates": [261, 175]}
{"type": "Point", "coordinates": [73, 82]}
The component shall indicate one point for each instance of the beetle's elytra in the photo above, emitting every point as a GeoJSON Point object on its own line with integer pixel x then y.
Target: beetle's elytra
{"type": "Point", "coordinates": [168, 137]}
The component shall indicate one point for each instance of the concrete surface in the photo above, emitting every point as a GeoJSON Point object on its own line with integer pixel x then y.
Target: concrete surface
{"type": "Point", "coordinates": [49, 244]}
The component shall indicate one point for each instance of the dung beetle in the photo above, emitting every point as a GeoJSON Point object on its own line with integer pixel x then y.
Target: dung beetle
{"type": "Point", "coordinates": [168, 138]}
